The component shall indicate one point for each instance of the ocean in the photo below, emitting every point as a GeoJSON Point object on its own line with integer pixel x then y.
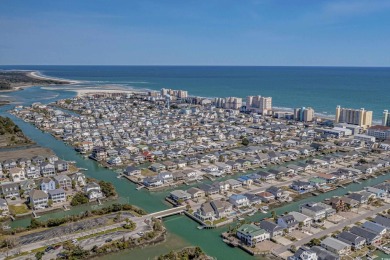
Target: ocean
{"type": "Point", "coordinates": [319, 87]}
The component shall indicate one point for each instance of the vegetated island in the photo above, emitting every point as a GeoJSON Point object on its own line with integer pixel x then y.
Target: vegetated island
{"type": "Point", "coordinates": [11, 135]}
{"type": "Point", "coordinates": [194, 253]}
{"type": "Point", "coordinates": [14, 80]}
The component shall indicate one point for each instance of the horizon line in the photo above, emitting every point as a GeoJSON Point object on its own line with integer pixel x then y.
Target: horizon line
{"type": "Point", "coordinates": [181, 65]}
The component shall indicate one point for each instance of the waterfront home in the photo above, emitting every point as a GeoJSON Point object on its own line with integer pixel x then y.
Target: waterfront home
{"type": "Point", "coordinates": [165, 177]}
{"type": "Point", "coordinates": [196, 193]}
{"type": "Point", "coordinates": [266, 196]}
{"type": "Point", "coordinates": [152, 181]}
{"type": "Point", "coordinates": [336, 246]}
{"type": "Point", "coordinates": [63, 181]}
{"type": "Point", "coordinates": [4, 210]}
{"type": "Point", "coordinates": [276, 191]}
{"type": "Point", "coordinates": [323, 254]}
{"type": "Point", "coordinates": [57, 195]}
{"type": "Point", "coordinates": [213, 210]}
{"type": "Point", "coordinates": [312, 210]}
{"type": "Point", "coordinates": [288, 223]}
{"type": "Point", "coordinates": [115, 161]}
{"type": "Point", "coordinates": [272, 228]}
{"type": "Point", "coordinates": [61, 166]}
{"type": "Point", "coordinates": [303, 253]}
{"type": "Point", "coordinates": [301, 186]}
{"type": "Point", "coordinates": [205, 212]}
{"type": "Point", "coordinates": [93, 191]}
{"type": "Point", "coordinates": [131, 170]}
{"type": "Point", "coordinates": [222, 208]}
{"type": "Point", "coordinates": [38, 199]}
{"type": "Point", "coordinates": [179, 195]}
{"type": "Point", "coordinates": [251, 234]}
{"type": "Point", "coordinates": [239, 200]}
{"type": "Point", "coordinates": [37, 160]}
{"type": "Point", "coordinates": [361, 197]}
{"type": "Point", "coordinates": [10, 190]}
{"type": "Point", "coordinates": [301, 218]}
{"type": "Point", "coordinates": [47, 184]}
{"type": "Point", "coordinates": [16, 174]}
{"type": "Point", "coordinates": [355, 241]}
{"type": "Point", "coordinates": [79, 179]}
{"type": "Point", "coordinates": [370, 237]}
{"type": "Point", "coordinates": [47, 169]}
{"type": "Point", "coordinates": [375, 228]}
{"type": "Point", "coordinates": [379, 193]}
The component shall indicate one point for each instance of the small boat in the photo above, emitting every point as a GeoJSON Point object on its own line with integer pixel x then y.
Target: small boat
{"type": "Point", "coordinates": [200, 227]}
{"type": "Point", "coordinates": [241, 218]}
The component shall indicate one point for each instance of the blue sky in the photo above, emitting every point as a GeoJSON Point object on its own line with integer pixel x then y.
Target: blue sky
{"type": "Point", "coordinates": [186, 32]}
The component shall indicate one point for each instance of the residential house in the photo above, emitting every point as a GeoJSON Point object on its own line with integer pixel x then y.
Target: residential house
{"type": "Point", "coordinates": [272, 228]}
{"type": "Point", "coordinates": [179, 195]}
{"type": "Point", "coordinates": [355, 241]}
{"type": "Point", "coordinates": [371, 238]}
{"type": "Point", "coordinates": [239, 200]}
{"type": "Point", "coordinates": [93, 191]}
{"type": "Point", "coordinates": [336, 246]}
{"type": "Point", "coordinates": [79, 179]}
{"type": "Point", "coordinates": [323, 254]}
{"type": "Point", "coordinates": [375, 228]}
{"type": "Point", "coordinates": [16, 174]}
{"type": "Point", "coordinates": [251, 234]}
{"type": "Point", "coordinates": [301, 218]}
{"type": "Point", "coordinates": [10, 190]}
{"type": "Point", "coordinates": [63, 181]}
{"type": "Point", "coordinates": [276, 191]}
{"type": "Point", "coordinates": [312, 210]}
{"type": "Point", "coordinates": [288, 223]}
{"type": "Point", "coordinates": [131, 170]}
{"type": "Point", "coordinates": [47, 169]}
{"type": "Point", "coordinates": [196, 193]}
{"type": "Point", "coordinates": [4, 210]}
{"type": "Point", "coordinates": [301, 186]}
{"type": "Point", "coordinates": [38, 199]}
{"type": "Point", "coordinates": [57, 195]}
{"type": "Point", "coordinates": [47, 184]}
{"type": "Point", "coordinates": [61, 166]}
{"type": "Point", "coordinates": [303, 253]}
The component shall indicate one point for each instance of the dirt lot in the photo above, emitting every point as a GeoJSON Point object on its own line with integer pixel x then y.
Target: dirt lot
{"type": "Point", "coordinates": [265, 246]}
{"type": "Point", "coordinates": [26, 153]}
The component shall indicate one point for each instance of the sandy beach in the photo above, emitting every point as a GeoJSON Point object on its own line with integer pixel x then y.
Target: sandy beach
{"type": "Point", "coordinates": [37, 75]}
{"type": "Point", "coordinates": [101, 89]}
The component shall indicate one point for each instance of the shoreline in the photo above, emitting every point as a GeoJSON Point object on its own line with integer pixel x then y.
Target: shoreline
{"type": "Point", "coordinates": [38, 75]}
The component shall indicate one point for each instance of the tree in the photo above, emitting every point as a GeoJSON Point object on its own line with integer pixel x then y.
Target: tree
{"type": "Point", "coordinates": [107, 189]}
{"type": "Point", "coordinates": [50, 202]}
{"type": "Point", "coordinates": [245, 141]}
{"type": "Point", "coordinates": [39, 255]}
{"type": "Point", "coordinates": [79, 199]}
{"type": "Point", "coordinates": [315, 242]}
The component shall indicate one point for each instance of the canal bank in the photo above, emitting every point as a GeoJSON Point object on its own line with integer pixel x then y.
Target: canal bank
{"type": "Point", "coordinates": [181, 228]}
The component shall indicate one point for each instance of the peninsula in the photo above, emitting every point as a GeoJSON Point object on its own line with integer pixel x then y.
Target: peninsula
{"type": "Point", "coordinates": [14, 80]}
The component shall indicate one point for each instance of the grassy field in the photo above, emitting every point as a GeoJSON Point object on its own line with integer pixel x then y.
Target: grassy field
{"type": "Point", "coordinates": [18, 209]}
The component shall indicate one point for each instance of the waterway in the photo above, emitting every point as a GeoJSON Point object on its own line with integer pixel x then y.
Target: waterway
{"type": "Point", "coordinates": [182, 231]}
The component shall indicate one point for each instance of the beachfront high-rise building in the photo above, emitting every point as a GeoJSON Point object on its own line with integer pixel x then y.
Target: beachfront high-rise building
{"type": "Point", "coordinates": [174, 93]}
{"type": "Point", "coordinates": [360, 117]}
{"type": "Point", "coordinates": [228, 103]}
{"type": "Point", "coordinates": [304, 114]}
{"type": "Point", "coordinates": [259, 104]}
{"type": "Point", "coordinates": [386, 118]}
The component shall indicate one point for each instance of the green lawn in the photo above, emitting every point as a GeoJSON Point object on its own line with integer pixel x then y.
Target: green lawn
{"type": "Point", "coordinates": [18, 209]}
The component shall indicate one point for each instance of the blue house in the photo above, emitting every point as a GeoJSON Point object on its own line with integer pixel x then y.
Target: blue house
{"type": "Point", "coordinates": [47, 184]}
